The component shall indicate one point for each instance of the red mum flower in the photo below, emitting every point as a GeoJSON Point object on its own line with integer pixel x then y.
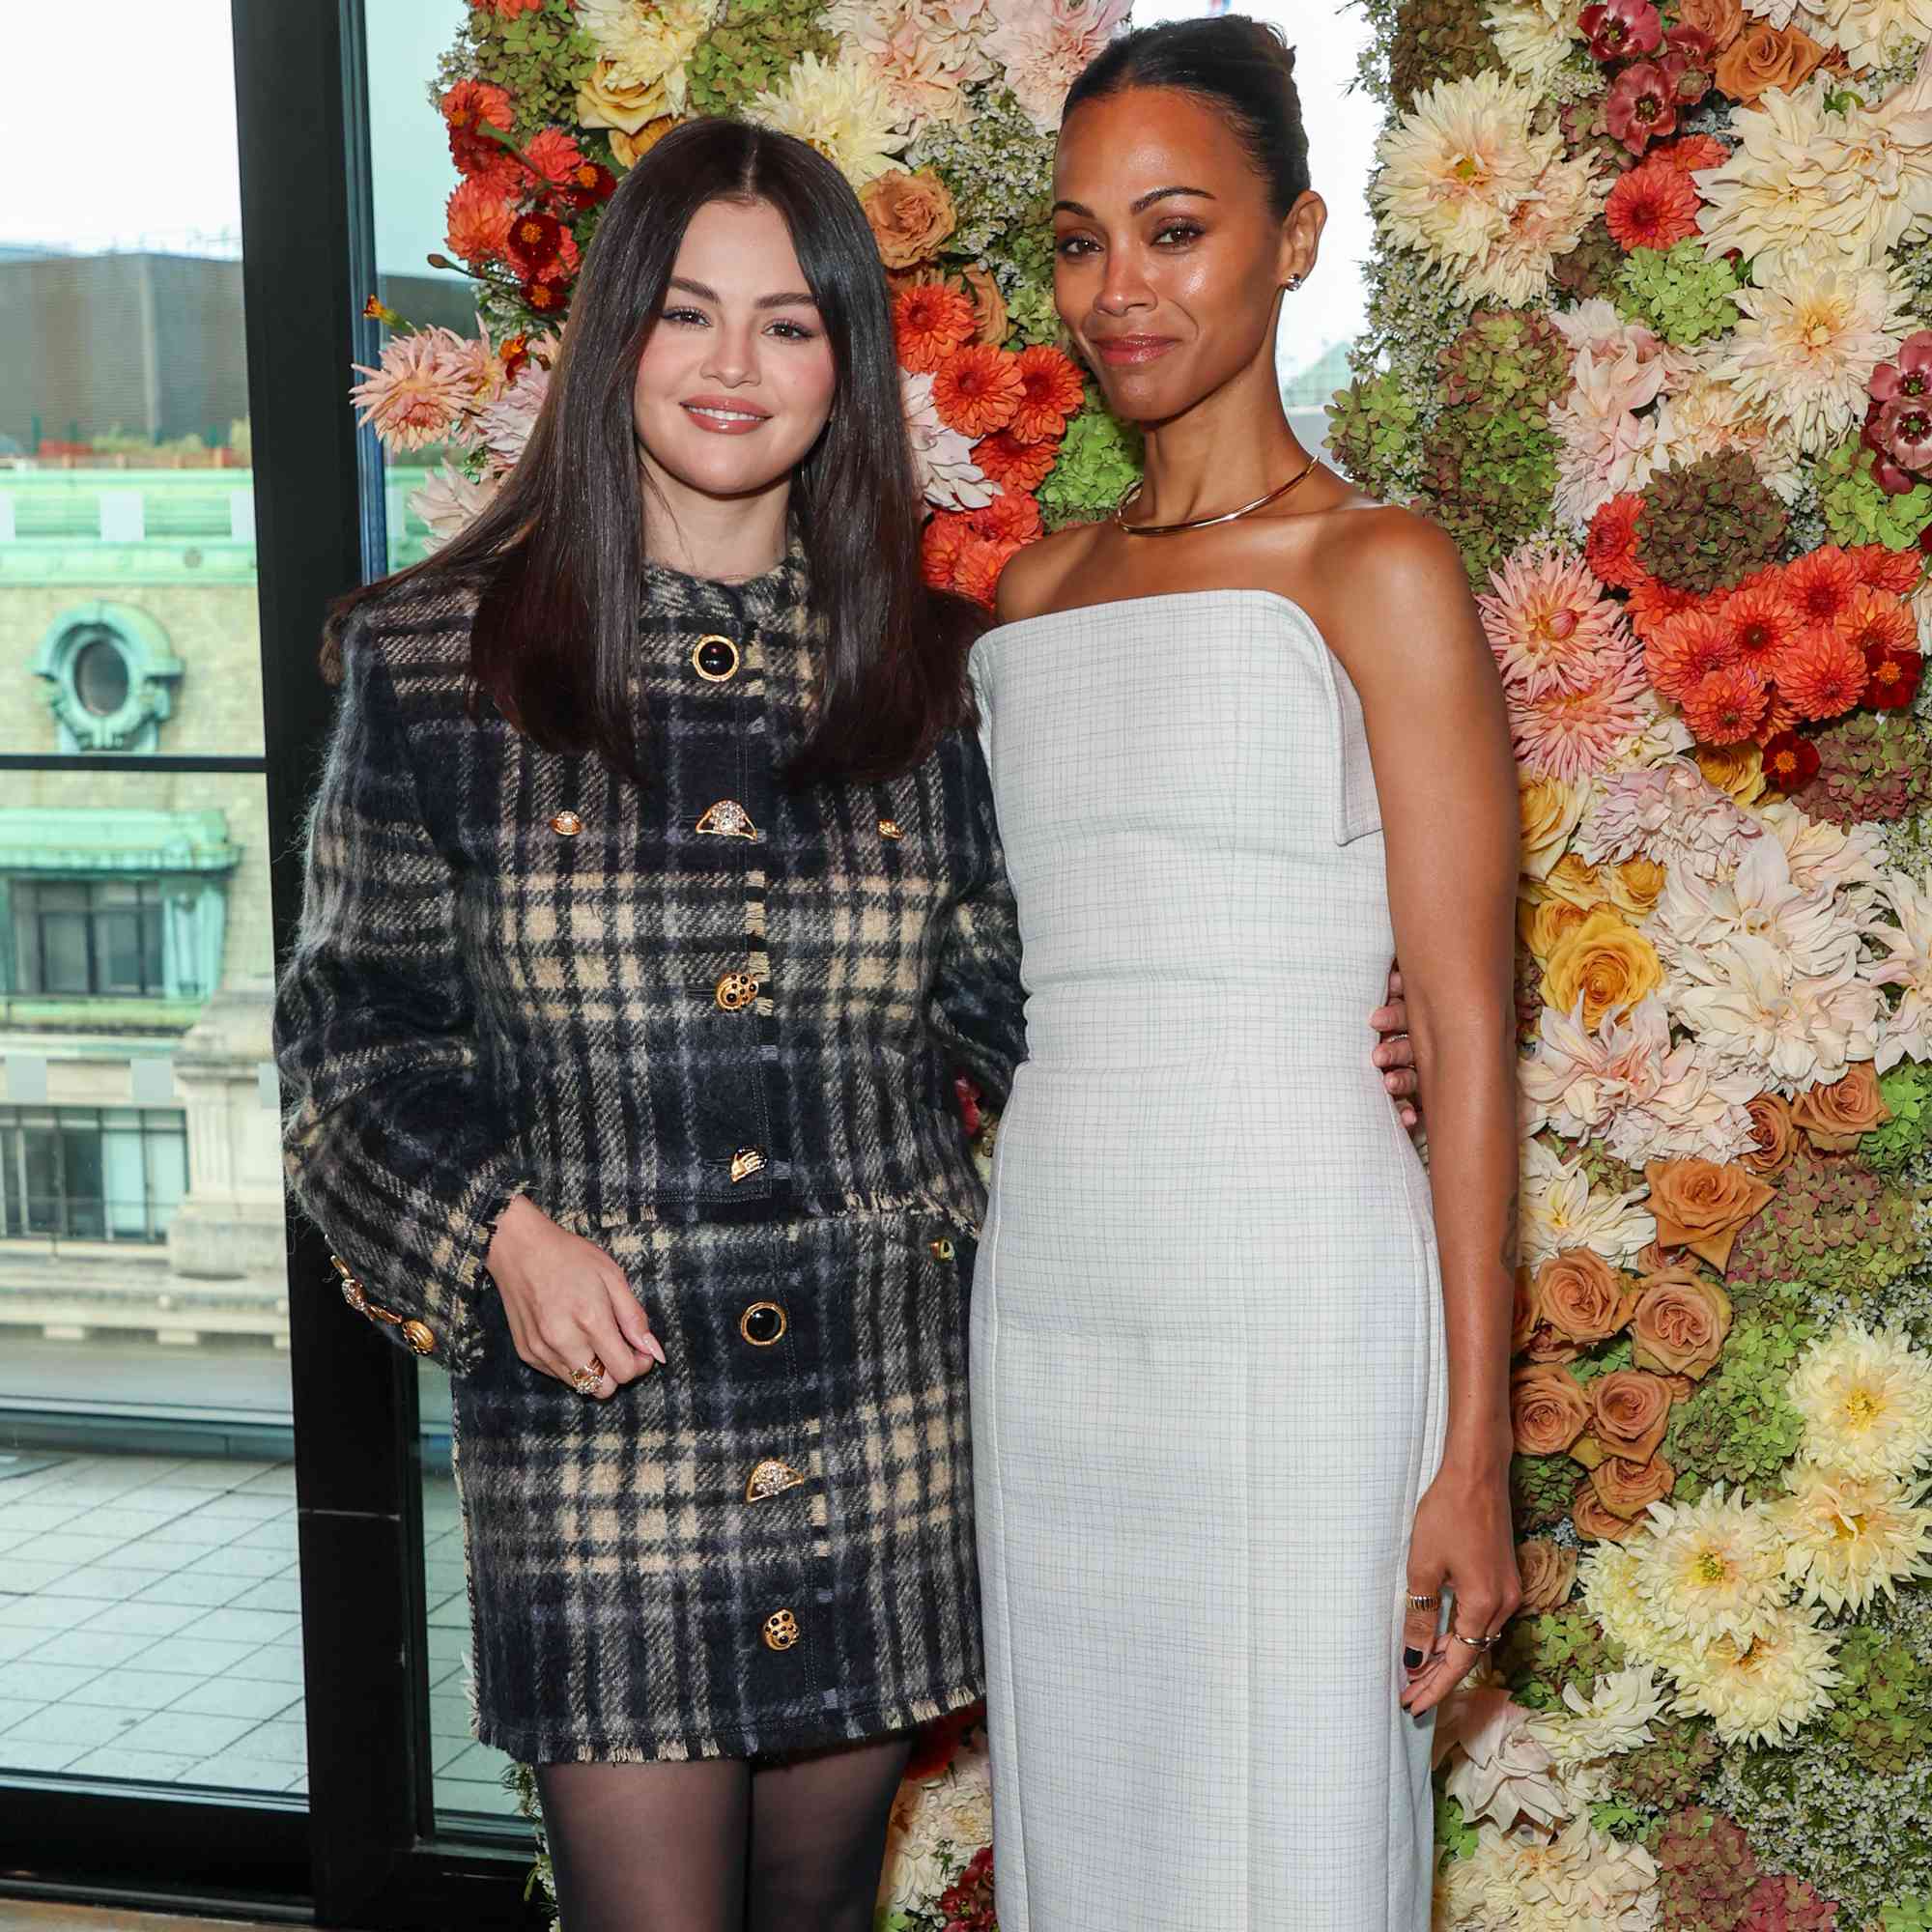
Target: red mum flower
{"type": "Point", "coordinates": [1893, 680]}
{"type": "Point", "coordinates": [981, 562]}
{"type": "Point", "coordinates": [1692, 151]}
{"type": "Point", "coordinates": [1761, 623]}
{"type": "Point", "coordinates": [479, 220]}
{"type": "Point", "coordinates": [1881, 569]}
{"type": "Point", "coordinates": [1723, 707]}
{"type": "Point", "coordinates": [535, 241]}
{"type": "Point", "coordinates": [471, 108]}
{"type": "Point", "coordinates": [1687, 647]}
{"type": "Point", "coordinates": [589, 183]}
{"type": "Point", "coordinates": [515, 352]}
{"type": "Point", "coordinates": [1819, 585]}
{"type": "Point", "coordinates": [554, 155]}
{"type": "Point", "coordinates": [1612, 549]}
{"type": "Point", "coordinates": [1875, 621]}
{"type": "Point", "coordinates": [1823, 674]}
{"type": "Point", "coordinates": [1651, 207]}
{"type": "Point", "coordinates": [1789, 760]}
{"type": "Point", "coordinates": [1783, 716]}
{"type": "Point", "coordinates": [929, 322]}
{"type": "Point", "coordinates": [939, 545]}
{"type": "Point", "coordinates": [1051, 390]}
{"type": "Point", "coordinates": [542, 297]}
{"type": "Point", "coordinates": [1011, 516]}
{"type": "Point", "coordinates": [1653, 604]}
{"type": "Point", "coordinates": [1015, 465]}
{"type": "Point", "coordinates": [978, 389]}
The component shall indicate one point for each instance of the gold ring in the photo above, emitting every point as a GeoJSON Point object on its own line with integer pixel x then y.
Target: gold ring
{"type": "Point", "coordinates": [589, 1378]}
{"type": "Point", "coordinates": [1474, 1642]}
{"type": "Point", "coordinates": [1430, 1602]}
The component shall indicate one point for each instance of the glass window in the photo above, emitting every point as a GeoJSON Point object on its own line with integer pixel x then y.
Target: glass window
{"type": "Point", "coordinates": [87, 938]}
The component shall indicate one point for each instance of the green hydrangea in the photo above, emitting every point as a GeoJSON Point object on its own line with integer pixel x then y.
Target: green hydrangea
{"type": "Point", "coordinates": [1371, 436]}
{"type": "Point", "coordinates": [1708, 523]}
{"type": "Point", "coordinates": [1737, 1427]}
{"type": "Point", "coordinates": [1541, 1488]}
{"type": "Point", "coordinates": [1097, 465]}
{"type": "Point", "coordinates": [1871, 765]}
{"type": "Point", "coordinates": [1506, 363]}
{"type": "Point", "coordinates": [1455, 1835]}
{"type": "Point", "coordinates": [1437, 39]}
{"type": "Point", "coordinates": [1540, 1655]}
{"type": "Point", "coordinates": [539, 57]}
{"type": "Point", "coordinates": [1907, 1915]}
{"type": "Point", "coordinates": [751, 48]}
{"type": "Point", "coordinates": [1604, 1172]}
{"type": "Point", "coordinates": [1617, 1820]}
{"type": "Point", "coordinates": [1617, 1353]}
{"type": "Point", "coordinates": [1025, 275]}
{"type": "Point", "coordinates": [1684, 295]}
{"type": "Point", "coordinates": [1669, 1771]}
{"type": "Point", "coordinates": [1706, 1871]}
{"type": "Point", "coordinates": [999, 171]}
{"type": "Point", "coordinates": [1488, 480]}
{"type": "Point", "coordinates": [1907, 1092]}
{"type": "Point", "coordinates": [1857, 511]}
{"type": "Point", "coordinates": [1881, 1713]}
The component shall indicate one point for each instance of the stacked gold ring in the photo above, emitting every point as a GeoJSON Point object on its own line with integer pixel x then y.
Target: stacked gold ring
{"type": "Point", "coordinates": [1430, 1602]}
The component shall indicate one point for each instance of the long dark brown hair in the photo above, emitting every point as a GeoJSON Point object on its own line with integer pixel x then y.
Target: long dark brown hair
{"type": "Point", "coordinates": [560, 546]}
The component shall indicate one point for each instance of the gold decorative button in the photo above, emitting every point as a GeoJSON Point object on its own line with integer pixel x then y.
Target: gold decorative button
{"type": "Point", "coordinates": [351, 1286]}
{"type": "Point", "coordinates": [771, 1477]}
{"type": "Point", "coordinates": [715, 660]}
{"type": "Point", "coordinates": [762, 1323]}
{"type": "Point", "coordinates": [736, 992]}
{"type": "Point", "coordinates": [943, 1249]}
{"type": "Point", "coordinates": [780, 1631]}
{"type": "Point", "coordinates": [746, 1162]}
{"type": "Point", "coordinates": [421, 1337]}
{"type": "Point", "coordinates": [727, 819]}
{"type": "Point", "coordinates": [890, 828]}
{"type": "Point", "coordinates": [566, 825]}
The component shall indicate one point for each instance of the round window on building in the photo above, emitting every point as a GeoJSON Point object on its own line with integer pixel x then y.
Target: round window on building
{"type": "Point", "coordinates": [100, 678]}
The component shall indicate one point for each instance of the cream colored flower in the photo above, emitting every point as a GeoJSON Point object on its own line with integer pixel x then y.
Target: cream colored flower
{"type": "Point", "coordinates": [1872, 32]}
{"type": "Point", "coordinates": [1826, 857]}
{"type": "Point", "coordinates": [936, 1827]}
{"type": "Point", "coordinates": [942, 457]}
{"type": "Point", "coordinates": [1706, 417]}
{"type": "Point", "coordinates": [1713, 1568]}
{"type": "Point", "coordinates": [1497, 1768]}
{"type": "Point", "coordinates": [1804, 353]}
{"type": "Point", "coordinates": [1608, 1574]}
{"type": "Point", "coordinates": [1760, 1690]}
{"type": "Point", "coordinates": [1534, 37]}
{"type": "Point", "coordinates": [1548, 810]}
{"type": "Point", "coordinates": [1907, 963]}
{"type": "Point", "coordinates": [1615, 1717]}
{"type": "Point", "coordinates": [642, 51]}
{"type": "Point", "coordinates": [1757, 206]}
{"type": "Point", "coordinates": [1695, 916]}
{"type": "Point", "coordinates": [926, 54]}
{"type": "Point", "coordinates": [1866, 1396]}
{"type": "Point", "coordinates": [1558, 1210]}
{"type": "Point", "coordinates": [842, 107]}
{"type": "Point", "coordinates": [1581, 1880]}
{"type": "Point", "coordinates": [448, 502]}
{"type": "Point", "coordinates": [1546, 223]}
{"type": "Point", "coordinates": [1848, 1538]}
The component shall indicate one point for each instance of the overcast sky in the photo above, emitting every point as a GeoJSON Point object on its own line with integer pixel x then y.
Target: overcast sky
{"type": "Point", "coordinates": [168, 174]}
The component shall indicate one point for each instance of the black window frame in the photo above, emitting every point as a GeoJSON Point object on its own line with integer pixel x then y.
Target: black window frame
{"type": "Point", "coordinates": [18, 1121]}
{"type": "Point", "coordinates": [30, 936]}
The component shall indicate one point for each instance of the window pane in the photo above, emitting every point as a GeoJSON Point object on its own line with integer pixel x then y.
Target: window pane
{"type": "Point", "coordinates": [62, 947]}
{"type": "Point", "coordinates": [100, 678]}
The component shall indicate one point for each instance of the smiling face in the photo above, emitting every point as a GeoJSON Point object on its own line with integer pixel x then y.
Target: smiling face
{"type": "Point", "coordinates": [737, 375]}
{"type": "Point", "coordinates": [1168, 260]}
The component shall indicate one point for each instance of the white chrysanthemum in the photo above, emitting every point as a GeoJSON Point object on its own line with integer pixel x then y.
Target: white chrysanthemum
{"type": "Point", "coordinates": [1707, 417]}
{"type": "Point", "coordinates": [1710, 1569]}
{"type": "Point", "coordinates": [1603, 447]}
{"type": "Point", "coordinates": [1866, 1396]}
{"type": "Point", "coordinates": [1872, 32]}
{"type": "Point", "coordinates": [1761, 1691]}
{"type": "Point", "coordinates": [1670, 813]}
{"type": "Point", "coordinates": [842, 107]}
{"type": "Point", "coordinates": [1824, 856]}
{"type": "Point", "coordinates": [1548, 221]}
{"type": "Point", "coordinates": [935, 1828]}
{"type": "Point", "coordinates": [942, 456]}
{"type": "Point", "coordinates": [1582, 1880]}
{"type": "Point", "coordinates": [1615, 1717]}
{"type": "Point", "coordinates": [1848, 1538]}
{"type": "Point", "coordinates": [1462, 1901]}
{"type": "Point", "coordinates": [1456, 167]}
{"type": "Point", "coordinates": [1754, 203]}
{"type": "Point", "coordinates": [1534, 37]}
{"type": "Point", "coordinates": [646, 45]}
{"type": "Point", "coordinates": [1558, 1210]}
{"type": "Point", "coordinates": [1607, 1576]}
{"type": "Point", "coordinates": [1804, 353]}
{"type": "Point", "coordinates": [1906, 963]}
{"type": "Point", "coordinates": [448, 502]}
{"type": "Point", "coordinates": [1760, 900]}
{"type": "Point", "coordinates": [1497, 1768]}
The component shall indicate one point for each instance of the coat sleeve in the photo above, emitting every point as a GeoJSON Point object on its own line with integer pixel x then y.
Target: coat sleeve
{"type": "Point", "coordinates": [389, 1142]}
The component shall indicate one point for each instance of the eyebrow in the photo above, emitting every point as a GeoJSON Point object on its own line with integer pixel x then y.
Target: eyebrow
{"type": "Point", "coordinates": [711, 295]}
{"type": "Point", "coordinates": [1145, 201]}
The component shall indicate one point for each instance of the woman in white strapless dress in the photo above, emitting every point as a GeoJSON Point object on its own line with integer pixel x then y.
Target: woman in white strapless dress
{"type": "Point", "coordinates": [1240, 1414]}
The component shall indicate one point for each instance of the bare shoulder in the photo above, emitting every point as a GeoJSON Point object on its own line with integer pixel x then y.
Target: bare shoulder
{"type": "Point", "coordinates": [1030, 583]}
{"type": "Point", "coordinates": [1386, 554]}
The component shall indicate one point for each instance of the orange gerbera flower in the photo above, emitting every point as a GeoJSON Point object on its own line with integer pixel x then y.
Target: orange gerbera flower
{"type": "Point", "coordinates": [981, 563]}
{"type": "Point", "coordinates": [1822, 674]}
{"type": "Point", "coordinates": [1875, 621]}
{"type": "Point", "coordinates": [1820, 584]}
{"type": "Point", "coordinates": [1687, 647]}
{"type": "Point", "coordinates": [978, 389]}
{"type": "Point", "coordinates": [1690, 152]}
{"type": "Point", "coordinates": [1051, 390]}
{"type": "Point", "coordinates": [1011, 516]}
{"type": "Point", "coordinates": [1881, 569]}
{"type": "Point", "coordinates": [1611, 551]}
{"type": "Point", "coordinates": [1761, 623]}
{"type": "Point", "coordinates": [1724, 708]}
{"type": "Point", "coordinates": [1651, 207]}
{"type": "Point", "coordinates": [939, 545]}
{"type": "Point", "coordinates": [1652, 604]}
{"type": "Point", "coordinates": [929, 322]}
{"type": "Point", "coordinates": [1015, 465]}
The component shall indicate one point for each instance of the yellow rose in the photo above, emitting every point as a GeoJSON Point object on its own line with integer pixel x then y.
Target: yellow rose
{"type": "Point", "coordinates": [627, 149]}
{"type": "Point", "coordinates": [1543, 925]}
{"type": "Point", "coordinates": [1738, 769]}
{"type": "Point", "coordinates": [1605, 962]}
{"type": "Point", "coordinates": [1635, 886]}
{"type": "Point", "coordinates": [604, 102]}
{"type": "Point", "coordinates": [1575, 881]}
{"type": "Point", "coordinates": [1549, 809]}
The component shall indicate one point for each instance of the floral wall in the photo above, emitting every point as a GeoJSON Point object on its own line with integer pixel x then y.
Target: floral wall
{"type": "Point", "coordinates": [1649, 336]}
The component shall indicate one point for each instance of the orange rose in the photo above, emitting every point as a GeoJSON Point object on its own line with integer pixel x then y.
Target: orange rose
{"type": "Point", "coordinates": [1593, 1522]}
{"type": "Point", "coordinates": [1681, 1320]}
{"type": "Point", "coordinates": [1775, 1136]}
{"type": "Point", "coordinates": [1605, 962]}
{"type": "Point", "coordinates": [1738, 769]}
{"type": "Point", "coordinates": [1763, 57]}
{"type": "Point", "coordinates": [1546, 1571]}
{"type": "Point", "coordinates": [1581, 1297]}
{"type": "Point", "coordinates": [1719, 19]}
{"type": "Point", "coordinates": [1629, 1489]}
{"type": "Point", "coordinates": [1701, 1205]}
{"type": "Point", "coordinates": [989, 306]}
{"type": "Point", "coordinates": [910, 216]}
{"type": "Point", "coordinates": [1628, 1410]}
{"type": "Point", "coordinates": [1834, 1117]}
{"type": "Point", "coordinates": [1548, 1408]}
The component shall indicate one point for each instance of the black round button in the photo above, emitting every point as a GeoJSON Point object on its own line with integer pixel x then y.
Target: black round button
{"type": "Point", "coordinates": [716, 659]}
{"type": "Point", "coordinates": [762, 1323]}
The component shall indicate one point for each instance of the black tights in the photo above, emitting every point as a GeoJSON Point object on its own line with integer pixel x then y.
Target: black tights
{"type": "Point", "coordinates": [723, 1844]}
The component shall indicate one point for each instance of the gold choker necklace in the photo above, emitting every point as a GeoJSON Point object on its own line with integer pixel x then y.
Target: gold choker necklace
{"type": "Point", "coordinates": [1203, 523]}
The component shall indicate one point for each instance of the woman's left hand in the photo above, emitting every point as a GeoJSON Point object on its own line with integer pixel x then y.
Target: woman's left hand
{"type": "Point", "coordinates": [1462, 1547]}
{"type": "Point", "coordinates": [1394, 1054]}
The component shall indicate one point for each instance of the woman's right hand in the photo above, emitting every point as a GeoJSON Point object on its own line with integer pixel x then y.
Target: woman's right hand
{"type": "Point", "coordinates": [568, 1301]}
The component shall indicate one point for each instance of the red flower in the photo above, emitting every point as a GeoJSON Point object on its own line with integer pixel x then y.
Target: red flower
{"type": "Point", "coordinates": [535, 242]}
{"type": "Point", "coordinates": [1893, 678]}
{"type": "Point", "coordinates": [589, 183]}
{"type": "Point", "coordinates": [1011, 518]}
{"type": "Point", "coordinates": [478, 221]}
{"type": "Point", "coordinates": [1015, 465]}
{"type": "Point", "coordinates": [1641, 105]}
{"type": "Point", "coordinates": [1820, 584]}
{"type": "Point", "coordinates": [1875, 621]}
{"type": "Point", "coordinates": [1690, 152]}
{"type": "Point", "coordinates": [469, 108]}
{"type": "Point", "coordinates": [922, 1764]}
{"type": "Point", "coordinates": [554, 155]}
{"type": "Point", "coordinates": [940, 547]}
{"type": "Point", "coordinates": [1612, 549]}
{"type": "Point", "coordinates": [978, 389]}
{"type": "Point", "coordinates": [1617, 29]}
{"type": "Point", "coordinates": [1723, 707]}
{"type": "Point", "coordinates": [982, 560]}
{"type": "Point", "coordinates": [1687, 647]}
{"type": "Point", "coordinates": [1653, 206]}
{"type": "Point", "coordinates": [1790, 761]}
{"type": "Point", "coordinates": [515, 352]}
{"type": "Point", "coordinates": [929, 322]}
{"type": "Point", "coordinates": [1051, 390]}
{"type": "Point", "coordinates": [542, 297]}
{"type": "Point", "coordinates": [1881, 569]}
{"type": "Point", "coordinates": [1653, 604]}
{"type": "Point", "coordinates": [1910, 375]}
{"type": "Point", "coordinates": [1823, 674]}
{"type": "Point", "coordinates": [1761, 623]}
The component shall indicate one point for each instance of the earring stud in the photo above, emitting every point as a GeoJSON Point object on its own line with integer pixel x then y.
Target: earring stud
{"type": "Point", "coordinates": [1294, 283]}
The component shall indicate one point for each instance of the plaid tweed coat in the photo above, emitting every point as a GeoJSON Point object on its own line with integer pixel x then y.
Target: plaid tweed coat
{"type": "Point", "coordinates": [709, 1024]}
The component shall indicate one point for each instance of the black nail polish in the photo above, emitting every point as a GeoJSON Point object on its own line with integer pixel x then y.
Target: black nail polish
{"type": "Point", "coordinates": [1412, 1659]}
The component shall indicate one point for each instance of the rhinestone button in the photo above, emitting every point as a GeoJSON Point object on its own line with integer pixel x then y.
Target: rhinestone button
{"type": "Point", "coordinates": [715, 660]}
{"type": "Point", "coordinates": [566, 825]}
{"type": "Point", "coordinates": [762, 1323]}
{"type": "Point", "coordinates": [890, 828]}
{"type": "Point", "coordinates": [746, 1162]}
{"type": "Point", "coordinates": [771, 1477]}
{"type": "Point", "coordinates": [780, 1631]}
{"type": "Point", "coordinates": [736, 992]}
{"type": "Point", "coordinates": [727, 819]}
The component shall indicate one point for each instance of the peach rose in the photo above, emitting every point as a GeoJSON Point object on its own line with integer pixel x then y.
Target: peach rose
{"type": "Point", "coordinates": [627, 149]}
{"type": "Point", "coordinates": [1628, 1411]}
{"type": "Point", "coordinates": [910, 216]}
{"type": "Point", "coordinates": [1581, 1297]}
{"type": "Point", "coordinates": [1763, 57]}
{"type": "Point", "coordinates": [603, 100]}
{"type": "Point", "coordinates": [1834, 1117]}
{"type": "Point", "coordinates": [1543, 924]}
{"type": "Point", "coordinates": [1681, 1320]}
{"type": "Point", "coordinates": [989, 306]}
{"type": "Point", "coordinates": [1548, 1408]}
{"type": "Point", "coordinates": [1546, 1571]}
{"type": "Point", "coordinates": [1605, 962]}
{"type": "Point", "coordinates": [1593, 1522]}
{"type": "Point", "coordinates": [1738, 769]}
{"type": "Point", "coordinates": [1635, 886]}
{"type": "Point", "coordinates": [1719, 19]}
{"type": "Point", "coordinates": [1776, 1135]}
{"type": "Point", "coordinates": [1629, 1489]}
{"type": "Point", "coordinates": [1701, 1205]}
{"type": "Point", "coordinates": [1524, 1313]}
{"type": "Point", "coordinates": [1548, 809]}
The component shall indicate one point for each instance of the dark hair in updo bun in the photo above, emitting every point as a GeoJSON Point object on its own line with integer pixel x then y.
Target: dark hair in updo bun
{"type": "Point", "coordinates": [1241, 66]}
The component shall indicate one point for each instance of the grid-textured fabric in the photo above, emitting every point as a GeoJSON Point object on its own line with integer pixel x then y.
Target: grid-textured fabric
{"type": "Point", "coordinates": [509, 978]}
{"type": "Point", "coordinates": [1207, 1331]}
